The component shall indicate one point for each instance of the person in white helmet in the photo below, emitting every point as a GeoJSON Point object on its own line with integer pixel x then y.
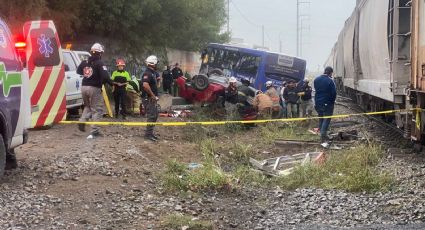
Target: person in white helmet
{"type": "Point", "coordinates": [232, 91]}
{"type": "Point", "coordinates": [94, 74]}
{"type": "Point", "coordinates": [274, 95]}
{"type": "Point", "coordinates": [150, 98]}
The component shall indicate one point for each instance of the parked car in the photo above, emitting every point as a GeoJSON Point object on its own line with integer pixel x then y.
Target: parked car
{"type": "Point", "coordinates": [72, 59]}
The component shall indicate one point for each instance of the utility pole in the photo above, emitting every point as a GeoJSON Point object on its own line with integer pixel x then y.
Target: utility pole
{"type": "Point", "coordinates": [263, 34]}
{"type": "Point", "coordinates": [298, 28]}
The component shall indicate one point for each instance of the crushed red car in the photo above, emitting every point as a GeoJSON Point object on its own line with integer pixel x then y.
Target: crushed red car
{"type": "Point", "coordinates": [203, 89]}
{"type": "Point", "coordinates": [210, 90]}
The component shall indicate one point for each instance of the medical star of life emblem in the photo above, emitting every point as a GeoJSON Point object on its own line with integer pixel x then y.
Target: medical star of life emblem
{"type": "Point", "coordinates": [45, 46]}
{"type": "Point", "coordinates": [87, 72]}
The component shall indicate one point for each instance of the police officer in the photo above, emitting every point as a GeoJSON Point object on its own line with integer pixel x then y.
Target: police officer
{"type": "Point", "coordinates": [150, 95]}
{"type": "Point", "coordinates": [167, 80]}
{"type": "Point", "coordinates": [121, 79]}
{"type": "Point", "coordinates": [177, 72]}
{"type": "Point", "coordinates": [94, 74]}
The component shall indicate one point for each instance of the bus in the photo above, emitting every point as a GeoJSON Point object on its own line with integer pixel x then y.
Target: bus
{"type": "Point", "coordinates": [257, 66]}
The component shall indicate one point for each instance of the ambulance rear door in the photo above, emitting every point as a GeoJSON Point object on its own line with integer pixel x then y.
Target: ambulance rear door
{"type": "Point", "coordinates": [46, 73]}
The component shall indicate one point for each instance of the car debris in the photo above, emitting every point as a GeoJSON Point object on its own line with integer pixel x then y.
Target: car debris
{"type": "Point", "coordinates": [284, 165]}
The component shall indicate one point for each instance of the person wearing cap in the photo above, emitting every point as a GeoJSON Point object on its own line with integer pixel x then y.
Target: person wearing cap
{"type": "Point", "coordinates": [324, 99]}
{"type": "Point", "coordinates": [306, 106]}
{"type": "Point", "coordinates": [274, 95]}
{"type": "Point", "coordinates": [121, 79]}
{"type": "Point", "coordinates": [177, 72]}
{"type": "Point", "coordinates": [263, 104]}
{"type": "Point", "coordinates": [94, 74]}
{"type": "Point", "coordinates": [290, 94]}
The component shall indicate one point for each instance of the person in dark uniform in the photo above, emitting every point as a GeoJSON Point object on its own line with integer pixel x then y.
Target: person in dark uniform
{"type": "Point", "coordinates": [167, 80]}
{"type": "Point", "coordinates": [94, 74]}
{"type": "Point", "coordinates": [121, 79]}
{"type": "Point", "coordinates": [177, 72]}
{"type": "Point", "coordinates": [150, 95]}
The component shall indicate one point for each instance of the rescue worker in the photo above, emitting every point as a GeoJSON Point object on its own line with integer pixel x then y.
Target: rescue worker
{"type": "Point", "coordinates": [325, 100]}
{"type": "Point", "coordinates": [121, 79]}
{"type": "Point", "coordinates": [290, 94]}
{"type": "Point", "coordinates": [167, 80]}
{"type": "Point", "coordinates": [232, 91]}
{"type": "Point", "coordinates": [273, 94]}
{"type": "Point", "coordinates": [94, 74]}
{"type": "Point", "coordinates": [282, 99]}
{"type": "Point", "coordinates": [263, 104]}
{"type": "Point", "coordinates": [306, 106]}
{"type": "Point", "coordinates": [177, 72]}
{"type": "Point", "coordinates": [150, 95]}
{"type": "Point", "coordinates": [245, 95]}
{"type": "Point", "coordinates": [133, 96]}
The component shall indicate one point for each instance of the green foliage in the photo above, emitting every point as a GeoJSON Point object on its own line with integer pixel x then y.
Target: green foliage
{"type": "Point", "coordinates": [273, 131]}
{"type": "Point", "coordinates": [178, 222]}
{"type": "Point", "coordinates": [132, 27]}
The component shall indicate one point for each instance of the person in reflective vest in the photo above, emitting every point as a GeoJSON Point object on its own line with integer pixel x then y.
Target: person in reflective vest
{"type": "Point", "coordinates": [121, 79]}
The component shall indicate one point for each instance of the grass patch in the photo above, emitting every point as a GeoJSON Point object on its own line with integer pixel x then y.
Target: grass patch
{"type": "Point", "coordinates": [178, 177]}
{"type": "Point", "coordinates": [353, 170]}
{"type": "Point", "coordinates": [271, 132]}
{"type": "Point", "coordinates": [178, 222]}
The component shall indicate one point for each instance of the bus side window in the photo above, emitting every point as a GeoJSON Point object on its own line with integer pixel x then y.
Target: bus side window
{"type": "Point", "coordinates": [249, 64]}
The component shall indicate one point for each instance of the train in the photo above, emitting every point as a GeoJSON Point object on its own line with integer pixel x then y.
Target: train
{"type": "Point", "coordinates": [379, 61]}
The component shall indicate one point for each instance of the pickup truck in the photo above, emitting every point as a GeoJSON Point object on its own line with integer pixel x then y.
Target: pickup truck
{"type": "Point", "coordinates": [32, 85]}
{"type": "Point", "coordinates": [71, 60]}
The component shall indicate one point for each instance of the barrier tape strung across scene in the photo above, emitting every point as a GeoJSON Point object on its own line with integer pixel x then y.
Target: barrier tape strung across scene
{"type": "Point", "coordinates": [210, 123]}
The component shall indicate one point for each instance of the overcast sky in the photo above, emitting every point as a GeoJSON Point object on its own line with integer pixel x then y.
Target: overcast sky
{"type": "Point", "coordinates": [324, 21]}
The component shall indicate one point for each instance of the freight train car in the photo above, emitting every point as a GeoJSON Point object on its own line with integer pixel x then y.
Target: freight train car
{"type": "Point", "coordinates": [379, 60]}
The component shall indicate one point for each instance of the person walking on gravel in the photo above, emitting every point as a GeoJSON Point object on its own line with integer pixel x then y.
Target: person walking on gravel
{"type": "Point", "coordinates": [94, 74]}
{"type": "Point", "coordinates": [325, 100]}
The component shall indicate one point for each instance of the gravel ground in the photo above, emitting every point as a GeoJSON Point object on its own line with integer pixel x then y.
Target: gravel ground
{"type": "Point", "coordinates": [67, 182]}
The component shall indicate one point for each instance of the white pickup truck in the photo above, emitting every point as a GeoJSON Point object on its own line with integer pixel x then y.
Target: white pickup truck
{"type": "Point", "coordinates": [72, 59]}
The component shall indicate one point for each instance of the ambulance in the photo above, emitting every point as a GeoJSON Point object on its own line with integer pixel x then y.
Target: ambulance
{"type": "Point", "coordinates": [32, 86]}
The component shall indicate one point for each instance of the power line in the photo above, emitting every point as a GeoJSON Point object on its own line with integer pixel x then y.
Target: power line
{"type": "Point", "coordinates": [243, 15]}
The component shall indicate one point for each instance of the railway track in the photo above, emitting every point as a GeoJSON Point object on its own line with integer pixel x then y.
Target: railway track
{"type": "Point", "coordinates": [375, 128]}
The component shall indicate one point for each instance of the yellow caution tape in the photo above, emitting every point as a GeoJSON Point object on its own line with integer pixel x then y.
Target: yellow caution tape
{"type": "Point", "coordinates": [210, 123]}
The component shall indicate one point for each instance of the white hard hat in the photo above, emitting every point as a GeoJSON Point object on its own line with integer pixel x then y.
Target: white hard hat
{"type": "Point", "coordinates": [232, 80]}
{"type": "Point", "coordinates": [98, 48]}
{"type": "Point", "coordinates": [152, 60]}
{"type": "Point", "coordinates": [269, 83]}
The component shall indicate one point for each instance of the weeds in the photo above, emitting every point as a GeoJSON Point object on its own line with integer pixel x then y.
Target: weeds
{"type": "Point", "coordinates": [271, 132]}
{"type": "Point", "coordinates": [178, 222]}
{"type": "Point", "coordinates": [353, 170]}
{"type": "Point", "coordinates": [178, 177]}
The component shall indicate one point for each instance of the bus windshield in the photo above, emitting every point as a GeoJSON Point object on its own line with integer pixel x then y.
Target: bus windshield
{"type": "Point", "coordinates": [255, 65]}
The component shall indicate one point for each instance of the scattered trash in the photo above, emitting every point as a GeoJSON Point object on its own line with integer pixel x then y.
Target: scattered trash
{"type": "Point", "coordinates": [177, 113]}
{"type": "Point", "coordinates": [90, 137]}
{"type": "Point", "coordinates": [284, 165]}
{"type": "Point", "coordinates": [193, 166]}
{"type": "Point", "coordinates": [335, 145]}
{"type": "Point", "coordinates": [345, 135]}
